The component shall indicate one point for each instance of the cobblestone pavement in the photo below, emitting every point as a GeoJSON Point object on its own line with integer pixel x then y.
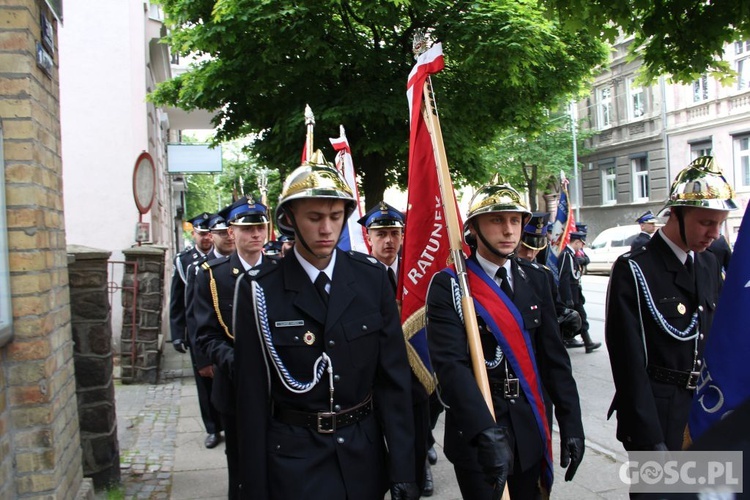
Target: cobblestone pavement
{"type": "Point", "coordinates": [147, 431]}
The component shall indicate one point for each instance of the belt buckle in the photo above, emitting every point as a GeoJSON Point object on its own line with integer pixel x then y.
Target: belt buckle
{"type": "Point", "coordinates": [326, 414]}
{"type": "Point", "coordinates": [692, 382]}
{"type": "Point", "coordinates": [510, 388]}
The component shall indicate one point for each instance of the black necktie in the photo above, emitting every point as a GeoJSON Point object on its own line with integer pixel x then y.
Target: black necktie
{"type": "Point", "coordinates": [689, 264]}
{"type": "Point", "coordinates": [502, 273]}
{"type": "Point", "coordinates": [320, 285]}
{"type": "Point", "coordinates": [392, 278]}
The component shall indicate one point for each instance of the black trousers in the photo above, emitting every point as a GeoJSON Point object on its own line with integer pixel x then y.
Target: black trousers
{"type": "Point", "coordinates": [579, 300]}
{"type": "Point", "coordinates": [211, 418]}
{"type": "Point", "coordinates": [523, 485]}
{"type": "Point", "coordinates": [232, 450]}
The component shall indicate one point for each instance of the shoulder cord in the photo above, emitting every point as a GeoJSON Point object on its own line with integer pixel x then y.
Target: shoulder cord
{"type": "Point", "coordinates": [180, 270]}
{"type": "Point", "coordinates": [459, 310]}
{"type": "Point", "coordinates": [683, 335]}
{"type": "Point", "coordinates": [323, 363]}
{"type": "Point", "coordinates": [640, 316]}
{"type": "Point", "coordinates": [215, 297]}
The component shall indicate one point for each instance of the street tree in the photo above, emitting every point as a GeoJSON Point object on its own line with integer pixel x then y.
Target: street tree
{"type": "Point", "coordinates": [679, 38]}
{"type": "Point", "coordinates": [535, 161]}
{"type": "Point", "coordinates": [260, 62]}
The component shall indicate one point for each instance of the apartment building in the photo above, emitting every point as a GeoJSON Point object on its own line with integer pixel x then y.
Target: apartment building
{"type": "Point", "coordinates": [646, 134]}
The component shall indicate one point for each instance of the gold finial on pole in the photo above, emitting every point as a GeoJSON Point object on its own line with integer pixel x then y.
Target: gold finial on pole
{"type": "Point", "coordinates": [419, 43]}
{"type": "Point", "coordinates": [310, 124]}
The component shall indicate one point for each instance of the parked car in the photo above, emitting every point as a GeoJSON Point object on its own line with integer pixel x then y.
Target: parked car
{"type": "Point", "coordinates": [608, 245]}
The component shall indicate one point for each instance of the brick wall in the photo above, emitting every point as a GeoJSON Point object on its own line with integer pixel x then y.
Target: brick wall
{"type": "Point", "coordinates": [40, 453]}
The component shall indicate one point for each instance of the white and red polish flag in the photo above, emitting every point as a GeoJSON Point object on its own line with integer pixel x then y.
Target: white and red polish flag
{"type": "Point", "coordinates": [353, 238]}
{"type": "Point", "coordinates": [426, 249]}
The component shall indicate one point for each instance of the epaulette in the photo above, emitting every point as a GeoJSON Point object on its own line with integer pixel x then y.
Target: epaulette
{"type": "Point", "coordinates": [524, 262]}
{"type": "Point", "coordinates": [363, 257]}
{"type": "Point", "coordinates": [632, 253]}
{"type": "Point", "coordinates": [215, 262]}
{"type": "Point", "coordinates": [185, 251]}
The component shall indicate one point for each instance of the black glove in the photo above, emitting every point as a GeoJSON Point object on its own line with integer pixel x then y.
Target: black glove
{"type": "Point", "coordinates": [494, 456]}
{"type": "Point", "coordinates": [404, 491]}
{"type": "Point", "coordinates": [179, 345]}
{"type": "Point", "coordinates": [571, 454]}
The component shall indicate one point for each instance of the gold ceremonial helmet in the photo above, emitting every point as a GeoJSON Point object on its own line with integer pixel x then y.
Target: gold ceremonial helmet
{"type": "Point", "coordinates": [700, 185]}
{"type": "Point", "coordinates": [497, 196]}
{"type": "Point", "coordinates": [316, 178]}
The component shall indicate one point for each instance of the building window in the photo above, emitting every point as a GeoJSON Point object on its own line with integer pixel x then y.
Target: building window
{"type": "Point", "coordinates": [700, 149]}
{"type": "Point", "coordinates": [605, 107]}
{"type": "Point", "coordinates": [636, 102]}
{"type": "Point", "coordinates": [609, 184]}
{"type": "Point", "coordinates": [700, 89]}
{"type": "Point", "coordinates": [743, 159]}
{"type": "Point", "coordinates": [742, 64]}
{"type": "Point", "coordinates": [639, 167]}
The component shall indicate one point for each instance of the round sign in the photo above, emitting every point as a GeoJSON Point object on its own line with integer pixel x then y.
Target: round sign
{"type": "Point", "coordinates": [144, 182]}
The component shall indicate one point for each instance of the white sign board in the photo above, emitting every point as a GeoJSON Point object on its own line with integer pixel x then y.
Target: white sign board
{"type": "Point", "coordinates": [193, 158]}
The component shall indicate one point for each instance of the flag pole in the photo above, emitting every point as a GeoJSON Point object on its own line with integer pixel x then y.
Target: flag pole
{"type": "Point", "coordinates": [455, 236]}
{"type": "Point", "coordinates": [310, 124]}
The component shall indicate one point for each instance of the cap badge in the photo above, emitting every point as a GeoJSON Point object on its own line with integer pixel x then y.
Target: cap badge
{"type": "Point", "coordinates": [309, 338]}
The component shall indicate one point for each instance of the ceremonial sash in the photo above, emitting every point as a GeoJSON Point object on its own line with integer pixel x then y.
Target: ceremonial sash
{"type": "Point", "coordinates": [504, 321]}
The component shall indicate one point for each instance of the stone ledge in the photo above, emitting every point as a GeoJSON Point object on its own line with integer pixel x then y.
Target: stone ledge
{"type": "Point", "coordinates": [86, 491]}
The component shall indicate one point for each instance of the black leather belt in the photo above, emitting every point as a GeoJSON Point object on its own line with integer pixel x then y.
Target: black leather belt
{"type": "Point", "coordinates": [688, 380]}
{"type": "Point", "coordinates": [323, 422]}
{"type": "Point", "coordinates": [508, 388]}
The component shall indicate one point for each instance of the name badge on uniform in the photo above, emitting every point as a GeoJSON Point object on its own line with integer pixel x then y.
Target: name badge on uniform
{"type": "Point", "coordinates": [284, 324]}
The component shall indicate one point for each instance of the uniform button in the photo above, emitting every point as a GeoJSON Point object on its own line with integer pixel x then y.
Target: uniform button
{"type": "Point", "coordinates": [340, 440]}
{"type": "Point", "coordinates": [512, 401]}
{"type": "Point", "coordinates": [536, 321]}
{"type": "Point", "coordinates": [296, 339]}
{"type": "Point", "coordinates": [336, 407]}
{"type": "Point", "coordinates": [364, 328]}
{"type": "Point", "coordinates": [700, 337]}
{"type": "Point", "coordinates": [331, 343]}
{"type": "Point", "coordinates": [698, 362]}
{"type": "Point", "coordinates": [278, 447]}
{"type": "Point", "coordinates": [700, 308]}
{"type": "Point", "coordinates": [336, 378]}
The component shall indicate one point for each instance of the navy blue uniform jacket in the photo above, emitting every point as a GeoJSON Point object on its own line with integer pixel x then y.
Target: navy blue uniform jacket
{"type": "Point", "coordinates": [361, 333]}
{"type": "Point", "coordinates": [649, 411]}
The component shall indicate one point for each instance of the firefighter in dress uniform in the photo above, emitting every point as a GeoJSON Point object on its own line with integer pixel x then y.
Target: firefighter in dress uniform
{"type": "Point", "coordinates": [179, 312]}
{"type": "Point", "coordinates": [526, 351]}
{"type": "Point", "coordinates": [571, 268]}
{"type": "Point", "coordinates": [648, 228]}
{"type": "Point", "coordinates": [385, 233]}
{"type": "Point", "coordinates": [213, 308]}
{"type": "Point", "coordinates": [323, 384]}
{"type": "Point", "coordinates": [660, 305]}
{"type": "Point", "coordinates": [223, 246]}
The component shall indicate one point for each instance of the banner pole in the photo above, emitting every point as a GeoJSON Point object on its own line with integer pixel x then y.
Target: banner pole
{"type": "Point", "coordinates": [455, 239]}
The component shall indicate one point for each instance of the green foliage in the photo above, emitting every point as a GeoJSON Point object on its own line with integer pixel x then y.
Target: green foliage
{"type": "Point", "coordinates": [263, 60]}
{"type": "Point", "coordinates": [529, 161]}
{"type": "Point", "coordinates": [681, 38]}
